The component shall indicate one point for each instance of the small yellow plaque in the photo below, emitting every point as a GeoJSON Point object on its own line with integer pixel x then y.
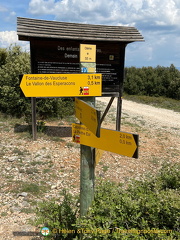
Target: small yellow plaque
{"type": "Point", "coordinates": [87, 53]}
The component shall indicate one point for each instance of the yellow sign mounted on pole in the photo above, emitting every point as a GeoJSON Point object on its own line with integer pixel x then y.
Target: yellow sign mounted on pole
{"type": "Point", "coordinates": [61, 85]}
{"type": "Point", "coordinates": [97, 154]}
{"type": "Point", "coordinates": [88, 115]}
{"type": "Point", "coordinates": [87, 53]}
{"type": "Point", "coordinates": [122, 143]}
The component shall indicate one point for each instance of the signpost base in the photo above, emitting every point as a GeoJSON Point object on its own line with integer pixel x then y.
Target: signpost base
{"type": "Point", "coordinates": [87, 178]}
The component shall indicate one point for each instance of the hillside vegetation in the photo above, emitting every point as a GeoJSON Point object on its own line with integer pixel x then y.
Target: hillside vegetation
{"type": "Point", "coordinates": [149, 81]}
{"type": "Point", "coordinates": [147, 209]}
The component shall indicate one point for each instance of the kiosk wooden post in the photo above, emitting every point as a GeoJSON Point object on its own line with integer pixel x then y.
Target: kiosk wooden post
{"type": "Point", "coordinates": [33, 110]}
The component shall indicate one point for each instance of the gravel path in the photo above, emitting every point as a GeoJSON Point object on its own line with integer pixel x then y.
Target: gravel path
{"type": "Point", "coordinates": [158, 117]}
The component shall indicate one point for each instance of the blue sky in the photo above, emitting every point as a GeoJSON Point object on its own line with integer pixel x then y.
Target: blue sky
{"type": "Point", "coordinates": [157, 20]}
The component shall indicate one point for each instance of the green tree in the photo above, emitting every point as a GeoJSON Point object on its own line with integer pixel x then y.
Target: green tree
{"type": "Point", "coordinates": [174, 86]}
{"type": "Point", "coordinates": [16, 62]}
{"type": "Point", "coordinates": [149, 81]}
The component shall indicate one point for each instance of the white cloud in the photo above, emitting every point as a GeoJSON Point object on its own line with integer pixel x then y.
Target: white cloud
{"type": "Point", "coordinates": [10, 37]}
{"type": "Point", "coordinates": [7, 38]}
{"type": "Point", "coordinates": [74, 10]}
{"type": "Point", "coordinates": [137, 4]}
{"type": "Point", "coordinates": [158, 12]}
{"type": "Point", "coordinates": [41, 7]}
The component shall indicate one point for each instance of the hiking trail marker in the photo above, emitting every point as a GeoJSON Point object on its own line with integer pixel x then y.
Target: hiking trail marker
{"type": "Point", "coordinates": [122, 143]}
{"type": "Point", "coordinates": [88, 115]}
{"type": "Point", "coordinates": [61, 85]}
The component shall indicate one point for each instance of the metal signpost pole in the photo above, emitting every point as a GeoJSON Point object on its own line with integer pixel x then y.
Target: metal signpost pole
{"type": "Point", "coordinates": [87, 174]}
{"type": "Point", "coordinates": [87, 163]}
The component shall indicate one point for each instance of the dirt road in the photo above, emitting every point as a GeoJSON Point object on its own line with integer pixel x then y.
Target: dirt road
{"type": "Point", "coordinates": [152, 116]}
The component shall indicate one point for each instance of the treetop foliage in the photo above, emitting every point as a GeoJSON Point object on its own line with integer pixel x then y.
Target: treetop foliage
{"type": "Point", "coordinates": [149, 81]}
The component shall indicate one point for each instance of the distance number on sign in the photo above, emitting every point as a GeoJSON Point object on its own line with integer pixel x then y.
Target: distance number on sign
{"type": "Point", "coordinates": [93, 83]}
{"type": "Point", "coordinates": [93, 77]}
{"type": "Point", "coordinates": [125, 139]}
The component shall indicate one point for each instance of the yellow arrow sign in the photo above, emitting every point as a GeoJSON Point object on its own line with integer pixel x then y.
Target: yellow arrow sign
{"type": "Point", "coordinates": [61, 85]}
{"type": "Point", "coordinates": [113, 141]}
{"type": "Point", "coordinates": [88, 115]}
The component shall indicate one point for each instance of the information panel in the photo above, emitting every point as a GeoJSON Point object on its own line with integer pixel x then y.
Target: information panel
{"type": "Point", "coordinates": [60, 56]}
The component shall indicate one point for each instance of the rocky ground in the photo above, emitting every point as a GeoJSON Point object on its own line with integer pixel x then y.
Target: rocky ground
{"type": "Point", "coordinates": [33, 171]}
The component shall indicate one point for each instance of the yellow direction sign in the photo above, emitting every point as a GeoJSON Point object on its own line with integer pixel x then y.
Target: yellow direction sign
{"type": "Point", "coordinates": [61, 85]}
{"type": "Point", "coordinates": [87, 53]}
{"type": "Point", "coordinates": [113, 141]}
{"type": "Point", "coordinates": [88, 115]}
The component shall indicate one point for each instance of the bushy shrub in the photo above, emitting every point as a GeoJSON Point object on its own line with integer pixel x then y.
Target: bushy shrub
{"type": "Point", "coordinates": [15, 62]}
{"type": "Point", "coordinates": [55, 107]}
{"type": "Point", "coordinates": [143, 210]}
{"type": "Point", "coordinates": [59, 216]}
